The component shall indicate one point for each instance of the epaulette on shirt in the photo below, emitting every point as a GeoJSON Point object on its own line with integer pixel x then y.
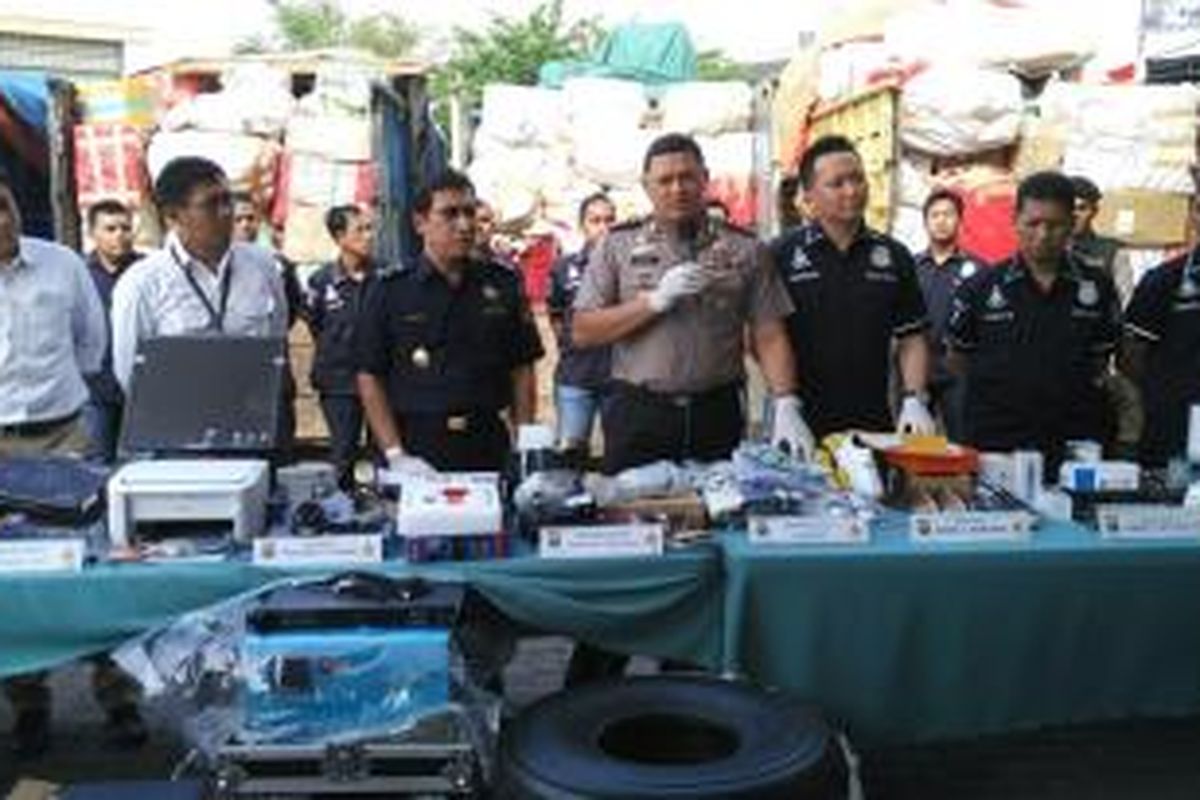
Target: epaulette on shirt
{"type": "Point", "coordinates": [628, 225]}
{"type": "Point", "coordinates": [740, 230]}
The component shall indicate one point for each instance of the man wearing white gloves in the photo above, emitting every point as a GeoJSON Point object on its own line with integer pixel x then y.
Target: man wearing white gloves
{"type": "Point", "coordinates": [446, 346]}
{"type": "Point", "coordinates": [675, 294]}
{"type": "Point", "coordinates": [855, 292]}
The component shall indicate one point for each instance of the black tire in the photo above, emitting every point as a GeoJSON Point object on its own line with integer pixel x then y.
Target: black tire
{"type": "Point", "coordinates": [669, 737]}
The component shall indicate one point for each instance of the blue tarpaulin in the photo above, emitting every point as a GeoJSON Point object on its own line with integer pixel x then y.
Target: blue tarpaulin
{"type": "Point", "coordinates": [27, 94]}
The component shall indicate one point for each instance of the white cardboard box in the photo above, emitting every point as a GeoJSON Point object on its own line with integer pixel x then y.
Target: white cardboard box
{"type": "Point", "coordinates": [450, 504]}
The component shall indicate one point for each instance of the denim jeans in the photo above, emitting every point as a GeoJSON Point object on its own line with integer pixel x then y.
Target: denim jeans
{"type": "Point", "coordinates": [577, 409]}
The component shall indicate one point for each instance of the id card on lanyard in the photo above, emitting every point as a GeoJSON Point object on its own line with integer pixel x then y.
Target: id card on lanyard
{"type": "Point", "coordinates": [216, 316]}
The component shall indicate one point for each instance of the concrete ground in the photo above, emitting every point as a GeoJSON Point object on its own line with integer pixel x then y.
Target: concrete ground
{"type": "Point", "coordinates": [1119, 761]}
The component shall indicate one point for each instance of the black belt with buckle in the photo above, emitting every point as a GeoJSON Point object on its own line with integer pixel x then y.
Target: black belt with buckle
{"type": "Point", "coordinates": [680, 399]}
{"type": "Point", "coordinates": [463, 422]}
{"type": "Point", "coordinates": [37, 427]}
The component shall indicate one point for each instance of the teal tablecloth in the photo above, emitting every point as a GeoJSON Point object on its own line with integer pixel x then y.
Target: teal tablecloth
{"type": "Point", "coordinates": [668, 607]}
{"type": "Point", "coordinates": [905, 643]}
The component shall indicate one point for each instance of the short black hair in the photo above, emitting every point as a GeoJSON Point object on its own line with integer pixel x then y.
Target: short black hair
{"type": "Point", "coordinates": [180, 176]}
{"type": "Point", "coordinates": [594, 197]}
{"type": "Point", "coordinates": [823, 146]}
{"type": "Point", "coordinates": [449, 180]}
{"type": "Point", "coordinates": [106, 206]}
{"type": "Point", "coordinates": [1086, 189]}
{"type": "Point", "coordinates": [337, 219]}
{"type": "Point", "coordinates": [938, 195]}
{"type": "Point", "coordinates": [242, 196]}
{"type": "Point", "coordinates": [670, 143]}
{"type": "Point", "coordinates": [1047, 186]}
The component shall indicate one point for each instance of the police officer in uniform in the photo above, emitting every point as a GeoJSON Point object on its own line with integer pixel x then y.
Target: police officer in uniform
{"type": "Point", "coordinates": [446, 345]}
{"type": "Point", "coordinates": [855, 291]}
{"type": "Point", "coordinates": [336, 295]}
{"type": "Point", "coordinates": [1161, 351]}
{"type": "Point", "coordinates": [1034, 335]}
{"type": "Point", "coordinates": [674, 295]}
{"type": "Point", "coordinates": [941, 269]}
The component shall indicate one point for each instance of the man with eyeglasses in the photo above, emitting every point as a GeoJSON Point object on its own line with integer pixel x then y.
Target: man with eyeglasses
{"type": "Point", "coordinates": [446, 345]}
{"type": "Point", "coordinates": [201, 281]}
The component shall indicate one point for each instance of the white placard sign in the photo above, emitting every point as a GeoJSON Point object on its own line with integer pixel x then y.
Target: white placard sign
{"type": "Point", "coordinates": [971, 526]}
{"type": "Point", "coordinates": [600, 541]}
{"type": "Point", "coordinates": [807, 530]}
{"type": "Point", "coordinates": [42, 555]}
{"type": "Point", "coordinates": [301, 551]}
{"type": "Point", "coordinates": [1147, 521]}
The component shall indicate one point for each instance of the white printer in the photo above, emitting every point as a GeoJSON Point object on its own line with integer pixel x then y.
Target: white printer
{"type": "Point", "coordinates": [188, 490]}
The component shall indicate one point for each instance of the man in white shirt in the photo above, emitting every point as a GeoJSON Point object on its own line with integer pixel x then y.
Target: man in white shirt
{"type": "Point", "coordinates": [201, 281]}
{"type": "Point", "coordinates": [52, 333]}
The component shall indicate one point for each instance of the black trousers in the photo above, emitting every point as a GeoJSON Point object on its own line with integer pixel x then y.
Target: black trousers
{"type": "Point", "coordinates": [641, 426]}
{"type": "Point", "coordinates": [476, 441]}
{"type": "Point", "coordinates": [344, 417]}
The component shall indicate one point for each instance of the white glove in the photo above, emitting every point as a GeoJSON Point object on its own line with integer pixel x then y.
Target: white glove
{"type": "Point", "coordinates": [789, 431]}
{"type": "Point", "coordinates": [680, 281]}
{"type": "Point", "coordinates": [915, 417]}
{"type": "Point", "coordinates": [402, 464]}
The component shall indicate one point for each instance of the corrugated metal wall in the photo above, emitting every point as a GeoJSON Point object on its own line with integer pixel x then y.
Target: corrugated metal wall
{"type": "Point", "coordinates": [62, 56]}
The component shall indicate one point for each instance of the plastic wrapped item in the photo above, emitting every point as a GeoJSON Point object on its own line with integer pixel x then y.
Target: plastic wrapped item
{"type": "Point", "coordinates": [349, 658]}
{"type": "Point", "coordinates": [707, 107]}
{"type": "Point", "coordinates": [248, 161]}
{"type": "Point", "coordinates": [552, 497]}
{"type": "Point", "coordinates": [951, 110]}
{"type": "Point", "coordinates": [772, 482]}
{"type": "Point", "coordinates": [521, 115]}
{"type": "Point", "coordinates": [110, 164]}
{"type": "Point", "coordinates": [658, 479]}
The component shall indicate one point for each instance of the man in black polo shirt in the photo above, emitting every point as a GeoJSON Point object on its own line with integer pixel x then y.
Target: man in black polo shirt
{"type": "Point", "coordinates": [110, 224]}
{"type": "Point", "coordinates": [941, 268]}
{"type": "Point", "coordinates": [336, 294]}
{"type": "Point", "coordinates": [446, 345]}
{"type": "Point", "coordinates": [855, 291]}
{"type": "Point", "coordinates": [1034, 335]}
{"type": "Point", "coordinates": [1161, 351]}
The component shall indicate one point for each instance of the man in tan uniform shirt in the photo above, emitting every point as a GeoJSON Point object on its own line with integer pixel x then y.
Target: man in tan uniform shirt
{"type": "Point", "coordinates": [675, 295]}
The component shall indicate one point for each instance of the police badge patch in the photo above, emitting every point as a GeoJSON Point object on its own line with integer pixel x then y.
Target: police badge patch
{"type": "Point", "coordinates": [1088, 294]}
{"type": "Point", "coordinates": [881, 257]}
{"type": "Point", "coordinates": [996, 299]}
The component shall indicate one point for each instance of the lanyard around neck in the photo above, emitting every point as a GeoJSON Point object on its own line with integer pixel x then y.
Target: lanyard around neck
{"type": "Point", "coordinates": [216, 316]}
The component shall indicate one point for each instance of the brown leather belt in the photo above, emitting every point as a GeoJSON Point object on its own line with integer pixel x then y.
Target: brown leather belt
{"type": "Point", "coordinates": [37, 427]}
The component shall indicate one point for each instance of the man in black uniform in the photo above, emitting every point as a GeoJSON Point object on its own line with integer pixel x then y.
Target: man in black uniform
{"type": "Point", "coordinates": [336, 293]}
{"type": "Point", "coordinates": [941, 269]}
{"type": "Point", "coordinates": [1034, 335]}
{"type": "Point", "coordinates": [855, 291]}
{"type": "Point", "coordinates": [583, 373]}
{"type": "Point", "coordinates": [1161, 351]}
{"type": "Point", "coordinates": [446, 345]}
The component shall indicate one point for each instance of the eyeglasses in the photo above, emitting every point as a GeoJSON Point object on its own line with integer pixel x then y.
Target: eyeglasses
{"type": "Point", "coordinates": [214, 203]}
{"type": "Point", "coordinates": [453, 212]}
